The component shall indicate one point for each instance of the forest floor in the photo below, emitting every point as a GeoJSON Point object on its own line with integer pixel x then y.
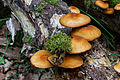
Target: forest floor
{"type": "Point", "coordinates": [16, 65]}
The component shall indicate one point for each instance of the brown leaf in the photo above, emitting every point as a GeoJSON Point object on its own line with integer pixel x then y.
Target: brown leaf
{"type": "Point", "coordinates": [2, 76]}
{"type": "Point", "coordinates": [11, 53]}
{"type": "Point", "coordinates": [28, 77]}
{"type": "Point", "coordinates": [3, 31]}
{"type": "Point", "coordinates": [3, 41]}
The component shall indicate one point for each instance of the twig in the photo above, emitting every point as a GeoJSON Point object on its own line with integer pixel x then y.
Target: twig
{"type": "Point", "coordinates": [43, 33]}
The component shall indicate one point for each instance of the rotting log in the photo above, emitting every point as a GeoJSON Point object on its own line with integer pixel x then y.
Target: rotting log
{"type": "Point", "coordinates": [41, 25]}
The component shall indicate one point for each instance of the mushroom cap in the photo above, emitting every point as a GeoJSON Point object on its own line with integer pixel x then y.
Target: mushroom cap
{"type": "Point", "coordinates": [117, 7]}
{"type": "Point", "coordinates": [79, 45]}
{"type": "Point", "coordinates": [39, 59]}
{"type": "Point", "coordinates": [74, 9]}
{"type": "Point", "coordinates": [90, 32]}
{"type": "Point", "coordinates": [71, 61]}
{"type": "Point", "coordinates": [109, 11]}
{"type": "Point", "coordinates": [105, 0]}
{"type": "Point", "coordinates": [101, 4]}
{"type": "Point", "coordinates": [74, 20]}
{"type": "Point", "coordinates": [117, 67]}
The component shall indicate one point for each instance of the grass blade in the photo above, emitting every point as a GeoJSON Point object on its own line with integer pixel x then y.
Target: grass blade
{"type": "Point", "coordinates": [109, 41]}
{"type": "Point", "coordinates": [97, 23]}
{"type": "Point", "coordinates": [4, 19]}
{"type": "Point", "coordinates": [118, 55]}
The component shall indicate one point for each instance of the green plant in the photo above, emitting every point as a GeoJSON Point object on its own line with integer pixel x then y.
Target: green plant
{"type": "Point", "coordinates": [41, 7]}
{"type": "Point", "coordinates": [2, 21]}
{"type": "Point", "coordinates": [2, 58]}
{"type": "Point", "coordinates": [28, 39]}
{"type": "Point", "coordinates": [53, 2]}
{"type": "Point", "coordinates": [114, 2]}
{"type": "Point", "coordinates": [89, 3]}
{"type": "Point", "coordinates": [59, 42]}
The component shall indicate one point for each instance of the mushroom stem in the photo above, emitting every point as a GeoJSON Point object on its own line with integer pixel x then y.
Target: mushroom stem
{"type": "Point", "coordinates": [57, 59]}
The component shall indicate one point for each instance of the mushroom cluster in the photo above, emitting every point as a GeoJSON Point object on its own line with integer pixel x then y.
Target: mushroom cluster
{"type": "Point", "coordinates": [80, 34]}
{"type": "Point", "coordinates": [117, 67]}
{"type": "Point", "coordinates": [105, 6]}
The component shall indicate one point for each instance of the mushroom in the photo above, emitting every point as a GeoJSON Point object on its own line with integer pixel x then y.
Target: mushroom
{"type": "Point", "coordinates": [89, 32]}
{"type": "Point", "coordinates": [74, 20]}
{"type": "Point", "coordinates": [109, 11]}
{"type": "Point", "coordinates": [79, 45]}
{"type": "Point", "coordinates": [74, 9]}
{"type": "Point", "coordinates": [117, 67]}
{"type": "Point", "coordinates": [102, 4]}
{"type": "Point", "coordinates": [39, 59]}
{"type": "Point", "coordinates": [117, 7]}
{"type": "Point", "coordinates": [72, 61]}
{"type": "Point", "coordinates": [105, 0]}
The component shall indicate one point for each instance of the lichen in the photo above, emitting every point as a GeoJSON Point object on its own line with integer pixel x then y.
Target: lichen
{"type": "Point", "coordinates": [54, 21]}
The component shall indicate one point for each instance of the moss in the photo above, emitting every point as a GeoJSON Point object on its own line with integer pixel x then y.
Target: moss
{"type": "Point", "coordinates": [58, 43]}
{"type": "Point", "coordinates": [28, 39]}
{"type": "Point", "coordinates": [89, 3]}
{"type": "Point", "coordinates": [114, 2]}
{"type": "Point", "coordinates": [53, 2]}
{"type": "Point", "coordinates": [42, 5]}
{"type": "Point", "coordinates": [40, 8]}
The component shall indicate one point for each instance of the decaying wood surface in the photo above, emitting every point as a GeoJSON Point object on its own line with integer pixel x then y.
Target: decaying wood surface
{"type": "Point", "coordinates": [96, 64]}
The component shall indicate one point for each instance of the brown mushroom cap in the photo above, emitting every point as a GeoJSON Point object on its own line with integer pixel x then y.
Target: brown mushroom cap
{"type": "Point", "coordinates": [101, 4]}
{"type": "Point", "coordinates": [109, 11]}
{"type": "Point", "coordinates": [105, 0]}
{"type": "Point", "coordinates": [74, 9]}
{"type": "Point", "coordinates": [119, 79]}
{"type": "Point", "coordinates": [117, 7]}
{"type": "Point", "coordinates": [72, 61]}
{"type": "Point", "coordinates": [117, 67]}
{"type": "Point", "coordinates": [39, 59]}
{"type": "Point", "coordinates": [79, 45]}
{"type": "Point", "coordinates": [90, 32]}
{"type": "Point", "coordinates": [74, 20]}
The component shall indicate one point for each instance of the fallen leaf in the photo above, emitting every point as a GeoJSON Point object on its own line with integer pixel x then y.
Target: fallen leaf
{"type": "Point", "coordinates": [28, 77]}
{"type": "Point", "coordinates": [3, 41]}
{"type": "Point", "coordinates": [7, 64]}
{"type": "Point", "coordinates": [11, 53]}
{"type": "Point", "coordinates": [2, 76]}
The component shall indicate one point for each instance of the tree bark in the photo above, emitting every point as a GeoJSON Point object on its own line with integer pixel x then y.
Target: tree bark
{"type": "Point", "coordinates": [41, 25]}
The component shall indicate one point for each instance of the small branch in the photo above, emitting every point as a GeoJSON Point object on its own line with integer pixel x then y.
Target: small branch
{"type": "Point", "coordinates": [43, 33]}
